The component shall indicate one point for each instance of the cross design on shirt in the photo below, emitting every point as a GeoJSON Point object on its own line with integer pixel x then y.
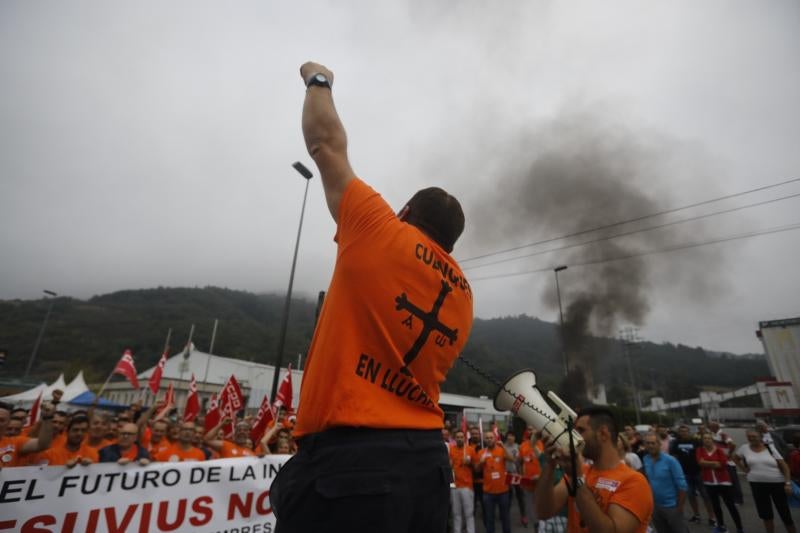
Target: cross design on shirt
{"type": "Point", "coordinates": [430, 323]}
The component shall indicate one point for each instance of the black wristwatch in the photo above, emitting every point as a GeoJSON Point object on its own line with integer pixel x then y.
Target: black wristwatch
{"type": "Point", "coordinates": [318, 79]}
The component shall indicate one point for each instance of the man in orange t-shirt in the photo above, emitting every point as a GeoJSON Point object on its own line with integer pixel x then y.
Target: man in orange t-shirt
{"type": "Point", "coordinates": [226, 448]}
{"type": "Point", "coordinates": [74, 450]}
{"type": "Point", "coordinates": [396, 315]}
{"type": "Point", "coordinates": [496, 492]}
{"type": "Point", "coordinates": [15, 451]}
{"type": "Point", "coordinates": [462, 497]}
{"type": "Point", "coordinates": [609, 495]}
{"type": "Point", "coordinates": [99, 424]}
{"type": "Point", "coordinates": [529, 451]}
{"type": "Point", "coordinates": [183, 449]}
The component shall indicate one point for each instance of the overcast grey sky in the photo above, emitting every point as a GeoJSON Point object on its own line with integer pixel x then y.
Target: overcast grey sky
{"type": "Point", "coordinates": [150, 143]}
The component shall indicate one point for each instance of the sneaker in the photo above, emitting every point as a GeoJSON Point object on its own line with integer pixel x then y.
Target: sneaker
{"type": "Point", "coordinates": [524, 521]}
{"type": "Point", "coordinates": [712, 523]}
{"type": "Point", "coordinates": [695, 519]}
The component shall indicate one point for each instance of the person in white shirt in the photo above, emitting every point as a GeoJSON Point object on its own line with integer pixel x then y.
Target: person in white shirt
{"type": "Point", "coordinates": [769, 479]}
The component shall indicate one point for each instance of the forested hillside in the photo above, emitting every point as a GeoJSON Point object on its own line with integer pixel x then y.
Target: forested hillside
{"type": "Point", "coordinates": [91, 335]}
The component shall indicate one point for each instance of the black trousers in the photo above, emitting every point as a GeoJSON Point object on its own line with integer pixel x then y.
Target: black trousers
{"type": "Point", "coordinates": [763, 493]}
{"type": "Point", "coordinates": [725, 492]}
{"type": "Point", "coordinates": [364, 480]}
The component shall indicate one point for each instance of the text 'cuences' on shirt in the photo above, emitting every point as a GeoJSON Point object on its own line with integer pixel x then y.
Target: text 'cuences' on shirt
{"type": "Point", "coordinates": [397, 313]}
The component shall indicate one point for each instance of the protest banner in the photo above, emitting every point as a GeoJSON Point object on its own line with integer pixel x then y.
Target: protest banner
{"type": "Point", "coordinates": [221, 496]}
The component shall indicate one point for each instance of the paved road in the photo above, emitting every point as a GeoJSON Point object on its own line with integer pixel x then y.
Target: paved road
{"type": "Point", "coordinates": [751, 521]}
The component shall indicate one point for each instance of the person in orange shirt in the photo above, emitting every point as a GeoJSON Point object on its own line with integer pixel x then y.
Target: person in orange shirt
{"type": "Point", "coordinates": [529, 450]}
{"type": "Point", "coordinates": [98, 428]}
{"type": "Point", "coordinates": [74, 450]}
{"type": "Point", "coordinates": [14, 428]}
{"type": "Point", "coordinates": [462, 497]}
{"type": "Point", "coordinates": [183, 449]}
{"type": "Point", "coordinates": [226, 448]}
{"type": "Point", "coordinates": [13, 450]}
{"type": "Point", "coordinates": [158, 438]}
{"type": "Point", "coordinates": [396, 315]}
{"type": "Point", "coordinates": [496, 493]}
{"type": "Point", "coordinates": [609, 495]}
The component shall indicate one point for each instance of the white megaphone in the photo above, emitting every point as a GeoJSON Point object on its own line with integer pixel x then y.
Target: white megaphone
{"type": "Point", "coordinates": [520, 396]}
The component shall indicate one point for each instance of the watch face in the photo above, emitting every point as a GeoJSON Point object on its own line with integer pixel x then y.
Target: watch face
{"type": "Point", "coordinates": [321, 78]}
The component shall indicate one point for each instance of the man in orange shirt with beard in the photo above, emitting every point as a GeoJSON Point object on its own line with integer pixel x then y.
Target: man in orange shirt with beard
{"type": "Point", "coordinates": [74, 450]}
{"type": "Point", "coordinates": [226, 448]}
{"type": "Point", "coordinates": [496, 493]}
{"type": "Point", "coordinates": [183, 449]}
{"type": "Point", "coordinates": [609, 495]}
{"type": "Point", "coordinates": [462, 497]}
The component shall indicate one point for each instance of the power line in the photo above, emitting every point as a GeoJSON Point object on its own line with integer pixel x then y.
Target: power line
{"type": "Point", "coordinates": [636, 219]}
{"type": "Point", "coordinates": [675, 248]}
{"type": "Point", "coordinates": [631, 232]}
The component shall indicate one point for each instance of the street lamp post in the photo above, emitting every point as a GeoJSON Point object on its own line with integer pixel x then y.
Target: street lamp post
{"type": "Point", "coordinates": [299, 167]}
{"type": "Point", "coordinates": [41, 333]}
{"type": "Point", "coordinates": [561, 316]}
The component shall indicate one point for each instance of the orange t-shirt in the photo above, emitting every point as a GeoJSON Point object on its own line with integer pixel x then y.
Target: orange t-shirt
{"type": "Point", "coordinates": [10, 451]}
{"type": "Point", "coordinates": [620, 485]}
{"type": "Point", "coordinates": [175, 453]}
{"type": "Point", "coordinates": [131, 454]}
{"type": "Point", "coordinates": [60, 455]}
{"type": "Point", "coordinates": [397, 313]}
{"type": "Point", "coordinates": [494, 470]}
{"type": "Point", "coordinates": [231, 449]}
{"type": "Point", "coordinates": [530, 459]}
{"type": "Point", "coordinates": [462, 469]}
{"type": "Point", "coordinates": [156, 448]}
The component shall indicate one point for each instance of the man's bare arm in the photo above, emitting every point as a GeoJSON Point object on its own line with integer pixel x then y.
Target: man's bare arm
{"type": "Point", "coordinates": [326, 140]}
{"type": "Point", "coordinates": [45, 434]}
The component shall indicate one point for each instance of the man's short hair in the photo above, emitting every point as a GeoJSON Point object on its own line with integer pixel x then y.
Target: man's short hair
{"type": "Point", "coordinates": [601, 416]}
{"type": "Point", "coordinates": [438, 214]}
{"type": "Point", "coordinates": [78, 419]}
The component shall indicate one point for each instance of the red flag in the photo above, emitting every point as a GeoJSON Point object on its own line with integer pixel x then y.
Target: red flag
{"type": "Point", "coordinates": [192, 408]}
{"type": "Point", "coordinates": [127, 369]}
{"type": "Point", "coordinates": [284, 396]}
{"type": "Point", "coordinates": [33, 416]}
{"type": "Point", "coordinates": [169, 400]}
{"type": "Point", "coordinates": [464, 424]}
{"type": "Point", "coordinates": [262, 421]}
{"type": "Point", "coordinates": [212, 413]}
{"type": "Point", "coordinates": [155, 377]}
{"type": "Point", "coordinates": [231, 401]}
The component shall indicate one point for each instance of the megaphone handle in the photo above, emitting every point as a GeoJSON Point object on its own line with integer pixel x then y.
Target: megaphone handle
{"type": "Point", "coordinates": [572, 488]}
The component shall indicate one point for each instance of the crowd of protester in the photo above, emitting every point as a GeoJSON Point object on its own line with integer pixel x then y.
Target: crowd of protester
{"type": "Point", "coordinates": [133, 436]}
{"type": "Point", "coordinates": [702, 466]}
{"type": "Point", "coordinates": [491, 472]}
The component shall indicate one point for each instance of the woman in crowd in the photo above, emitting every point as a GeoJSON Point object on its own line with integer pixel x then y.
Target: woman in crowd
{"type": "Point", "coordinates": [714, 471]}
{"type": "Point", "coordinates": [626, 455]}
{"type": "Point", "coordinates": [769, 479]}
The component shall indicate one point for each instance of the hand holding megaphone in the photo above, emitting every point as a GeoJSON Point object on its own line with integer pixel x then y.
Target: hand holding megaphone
{"type": "Point", "coordinates": [521, 396]}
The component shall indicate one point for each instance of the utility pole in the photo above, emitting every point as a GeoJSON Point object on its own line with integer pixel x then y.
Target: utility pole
{"type": "Point", "coordinates": [629, 338]}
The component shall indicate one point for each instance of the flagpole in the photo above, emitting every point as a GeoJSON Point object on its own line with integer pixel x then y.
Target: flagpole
{"type": "Point", "coordinates": [103, 388]}
{"type": "Point", "coordinates": [166, 342]}
{"type": "Point", "coordinates": [213, 336]}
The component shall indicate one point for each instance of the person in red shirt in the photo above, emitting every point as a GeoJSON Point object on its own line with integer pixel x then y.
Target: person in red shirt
{"type": "Point", "coordinates": [462, 497]}
{"type": "Point", "coordinates": [396, 315]}
{"type": "Point", "coordinates": [13, 450]}
{"type": "Point", "coordinates": [74, 450]}
{"type": "Point", "coordinates": [183, 449]}
{"type": "Point", "coordinates": [495, 488]}
{"type": "Point", "coordinates": [713, 464]}
{"type": "Point", "coordinates": [226, 448]}
{"type": "Point", "coordinates": [609, 495]}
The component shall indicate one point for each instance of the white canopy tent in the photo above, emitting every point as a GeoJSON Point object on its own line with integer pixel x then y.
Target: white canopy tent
{"type": "Point", "coordinates": [26, 398]}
